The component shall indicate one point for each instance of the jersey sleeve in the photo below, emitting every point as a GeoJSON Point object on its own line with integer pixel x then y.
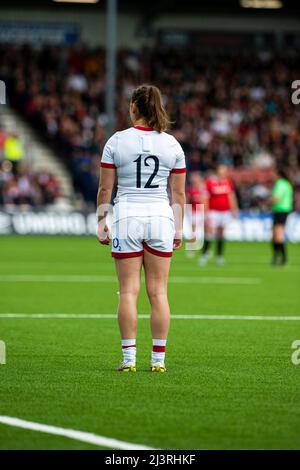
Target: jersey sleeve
{"type": "Point", "coordinates": [108, 159]}
{"type": "Point", "coordinates": [179, 166]}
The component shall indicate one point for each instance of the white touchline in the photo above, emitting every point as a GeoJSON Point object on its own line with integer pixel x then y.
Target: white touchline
{"type": "Point", "coordinates": [144, 316]}
{"type": "Point", "coordinates": [113, 279]}
{"type": "Point", "coordinates": [88, 437]}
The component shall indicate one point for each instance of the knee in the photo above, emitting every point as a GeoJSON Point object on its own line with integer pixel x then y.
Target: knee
{"type": "Point", "coordinates": [157, 295]}
{"type": "Point", "coordinates": [130, 291]}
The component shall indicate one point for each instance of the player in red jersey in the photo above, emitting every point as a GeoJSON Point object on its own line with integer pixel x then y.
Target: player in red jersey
{"type": "Point", "coordinates": [222, 205]}
{"type": "Point", "coordinates": [196, 194]}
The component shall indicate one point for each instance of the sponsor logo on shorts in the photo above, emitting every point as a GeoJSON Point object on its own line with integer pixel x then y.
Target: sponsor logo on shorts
{"type": "Point", "coordinates": [116, 244]}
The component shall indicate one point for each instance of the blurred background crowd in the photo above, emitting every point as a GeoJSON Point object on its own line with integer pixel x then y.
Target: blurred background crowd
{"type": "Point", "coordinates": [226, 108]}
{"type": "Point", "coordinates": [19, 184]}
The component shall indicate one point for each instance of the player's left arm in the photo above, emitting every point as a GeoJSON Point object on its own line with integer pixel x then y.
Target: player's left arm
{"type": "Point", "coordinates": [177, 188]}
{"type": "Point", "coordinates": [177, 180]}
{"type": "Point", "coordinates": [234, 207]}
{"type": "Point", "coordinates": [206, 196]}
{"type": "Point", "coordinates": [106, 184]}
{"type": "Point", "coordinates": [274, 199]}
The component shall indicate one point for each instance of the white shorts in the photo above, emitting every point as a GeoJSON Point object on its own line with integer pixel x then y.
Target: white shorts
{"type": "Point", "coordinates": [132, 235]}
{"type": "Point", "coordinates": [216, 219]}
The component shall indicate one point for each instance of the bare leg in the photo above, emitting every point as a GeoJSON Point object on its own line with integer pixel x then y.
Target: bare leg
{"type": "Point", "coordinates": [129, 274]}
{"type": "Point", "coordinates": [220, 241]}
{"type": "Point", "coordinates": [209, 234]}
{"type": "Point", "coordinates": [156, 274]}
{"type": "Point", "coordinates": [279, 244]}
{"type": "Point", "coordinates": [278, 233]}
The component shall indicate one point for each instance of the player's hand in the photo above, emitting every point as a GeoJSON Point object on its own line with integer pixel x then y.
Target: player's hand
{"type": "Point", "coordinates": [177, 242]}
{"type": "Point", "coordinates": [103, 234]}
{"type": "Point", "coordinates": [235, 214]}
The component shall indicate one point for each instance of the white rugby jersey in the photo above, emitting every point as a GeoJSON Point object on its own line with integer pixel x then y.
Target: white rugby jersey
{"type": "Point", "coordinates": [144, 159]}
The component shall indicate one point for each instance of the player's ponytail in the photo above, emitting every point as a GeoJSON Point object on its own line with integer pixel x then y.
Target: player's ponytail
{"type": "Point", "coordinates": [149, 104]}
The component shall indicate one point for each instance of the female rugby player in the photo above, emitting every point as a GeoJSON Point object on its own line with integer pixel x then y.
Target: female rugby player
{"type": "Point", "coordinates": [143, 159]}
{"type": "Point", "coordinates": [282, 205]}
{"type": "Point", "coordinates": [195, 196]}
{"type": "Point", "coordinates": [222, 205]}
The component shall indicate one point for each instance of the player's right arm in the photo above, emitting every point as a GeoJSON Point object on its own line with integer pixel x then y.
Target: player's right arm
{"type": "Point", "coordinates": [107, 180]}
{"type": "Point", "coordinates": [106, 185]}
{"type": "Point", "coordinates": [275, 196]}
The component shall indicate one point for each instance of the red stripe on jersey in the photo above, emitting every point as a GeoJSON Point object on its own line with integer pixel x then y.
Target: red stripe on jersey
{"type": "Point", "coordinates": [141, 128]}
{"type": "Point", "coordinates": [108, 165]}
{"type": "Point", "coordinates": [158, 348]}
{"type": "Point", "coordinates": [132, 254]}
{"type": "Point", "coordinates": [164, 254]}
{"type": "Point", "coordinates": [178, 170]}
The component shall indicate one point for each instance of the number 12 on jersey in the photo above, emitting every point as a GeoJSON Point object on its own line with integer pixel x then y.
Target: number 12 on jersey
{"type": "Point", "coordinates": [145, 161]}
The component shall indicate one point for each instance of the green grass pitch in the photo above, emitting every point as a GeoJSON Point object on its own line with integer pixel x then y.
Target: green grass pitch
{"type": "Point", "coordinates": [230, 384]}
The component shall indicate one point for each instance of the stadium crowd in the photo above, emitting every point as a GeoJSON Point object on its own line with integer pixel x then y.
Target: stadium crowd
{"type": "Point", "coordinates": [19, 184]}
{"type": "Point", "coordinates": [225, 108]}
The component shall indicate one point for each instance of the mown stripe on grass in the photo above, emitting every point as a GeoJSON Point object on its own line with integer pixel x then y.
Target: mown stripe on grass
{"type": "Point", "coordinates": [113, 279]}
{"type": "Point", "coordinates": [143, 316]}
{"type": "Point", "coordinates": [88, 437]}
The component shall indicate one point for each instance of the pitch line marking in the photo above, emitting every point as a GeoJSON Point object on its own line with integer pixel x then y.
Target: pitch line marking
{"type": "Point", "coordinates": [113, 279]}
{"type": "Point", "coordinates": [144, 316]}
{"type": "Point", "coordinates": [88, 437]}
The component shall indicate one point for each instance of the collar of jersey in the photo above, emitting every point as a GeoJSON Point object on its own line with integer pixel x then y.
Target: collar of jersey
{"type": "Point", "coordinates": [141, 128]}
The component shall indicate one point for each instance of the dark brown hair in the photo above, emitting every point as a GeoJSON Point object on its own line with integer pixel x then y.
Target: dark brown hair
{"type": "Point", "coordinates": [147, 99]}
{"type": "Point", "coordinates": [283, 173]}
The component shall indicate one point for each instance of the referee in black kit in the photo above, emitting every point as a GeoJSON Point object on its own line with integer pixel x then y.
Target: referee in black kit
{"type": "Point", "coordinates": [282, 205]}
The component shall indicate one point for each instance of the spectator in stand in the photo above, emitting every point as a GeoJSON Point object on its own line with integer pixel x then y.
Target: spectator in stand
{"type": "Point", "coordinates": [26, 188]}
{"type": "Point", "coordinates": [13, 150]}
{"type": "Point", "coordinates": [227, 108]}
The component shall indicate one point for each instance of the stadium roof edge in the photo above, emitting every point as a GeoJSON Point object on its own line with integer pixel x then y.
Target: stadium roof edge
{"type": "Point", "coordinates": [157, 7]}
